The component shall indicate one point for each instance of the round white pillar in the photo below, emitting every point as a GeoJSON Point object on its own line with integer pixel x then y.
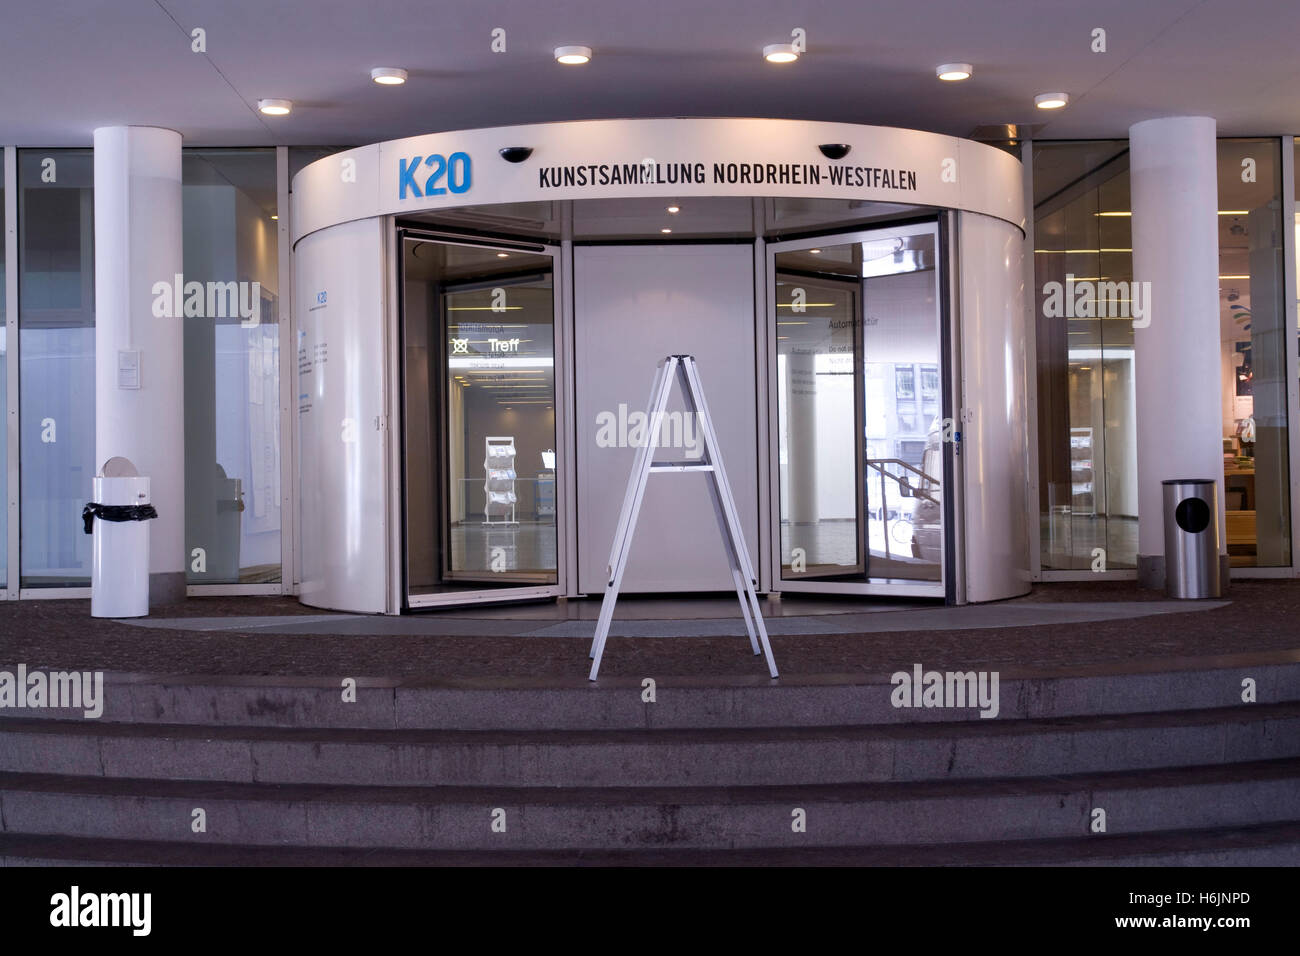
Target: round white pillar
{"type": "Point", "coordinates": [140, 415]}
{"type": "Point", "coordinates": [1173, 179]}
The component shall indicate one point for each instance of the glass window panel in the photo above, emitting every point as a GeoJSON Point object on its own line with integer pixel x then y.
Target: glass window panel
{"type": "Point", "coordinates": [232, 362]}
{"type": "Point", "coordinates": [1087, 426]}
{"type": "Point", "coordinates": [501, 404]}
{"type": "Point", "coordinates": [56, 345]}
{"type": "Point", "coordinates": [816, 347]}
{"type": "Point", "coordinates": [4, 394]}
{"type": "Point", "coordinates": [904, 470]}
{"type": "Point", "coordinates": [1296, 224]}
{"type": "Point", "coordinates": [1255, 336]}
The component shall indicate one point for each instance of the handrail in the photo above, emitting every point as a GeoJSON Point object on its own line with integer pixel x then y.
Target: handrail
{"type": "Point", "coordinates": [916, 492]}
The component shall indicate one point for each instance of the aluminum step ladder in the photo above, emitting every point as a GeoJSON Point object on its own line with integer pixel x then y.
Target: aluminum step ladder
{"type": "Point", "coordinates": [682, 368]}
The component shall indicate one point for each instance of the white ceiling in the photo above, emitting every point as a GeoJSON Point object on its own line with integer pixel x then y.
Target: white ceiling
{"type": "Point", "coordinates": [68, 66]}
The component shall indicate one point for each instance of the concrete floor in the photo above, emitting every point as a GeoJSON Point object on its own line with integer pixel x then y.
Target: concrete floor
{"type": "Point", "coordinates": [1058, 626]}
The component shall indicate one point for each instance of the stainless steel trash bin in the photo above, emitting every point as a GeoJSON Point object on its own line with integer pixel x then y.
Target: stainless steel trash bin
{"type": "Point", "coordinates": [1192, 538]}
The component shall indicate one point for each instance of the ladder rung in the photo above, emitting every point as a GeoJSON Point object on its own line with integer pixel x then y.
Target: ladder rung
{"type": "Point", "coordinates": [679, 466]}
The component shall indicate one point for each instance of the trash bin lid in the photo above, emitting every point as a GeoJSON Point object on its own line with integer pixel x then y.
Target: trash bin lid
{"type": "Point", "coordinates": [119, 467]}
{"type": "Point", "coordinates": [1188, 481]}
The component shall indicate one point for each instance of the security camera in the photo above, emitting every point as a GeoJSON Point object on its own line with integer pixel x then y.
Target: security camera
{"type": "Point", "coordinates": [835, 150]}
{"type": "Point", "coordinates": [516, 154]}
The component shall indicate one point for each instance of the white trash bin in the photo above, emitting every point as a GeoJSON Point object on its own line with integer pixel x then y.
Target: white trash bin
{"type": "Point", "coordinates": [119, 576]}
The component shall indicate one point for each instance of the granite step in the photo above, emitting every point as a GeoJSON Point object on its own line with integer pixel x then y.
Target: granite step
{"type": "Point", "coordinates": [618, 818]}
{"type": "Point", "coordinates": [617, 703]}
{"type": "Point", "coordinates": [657, 757]}
{"type": "Point", "coordinates": [1260, 845]}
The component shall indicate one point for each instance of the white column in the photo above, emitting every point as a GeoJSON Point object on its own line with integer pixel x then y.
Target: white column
{"type": "Point", "coordinates": [1172, 173]}
{"type": "Point", "coordinates": [137, 245]}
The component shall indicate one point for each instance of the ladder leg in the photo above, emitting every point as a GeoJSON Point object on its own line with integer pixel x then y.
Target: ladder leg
{"type": "Point", "coordinates": [736, 537]}
{"type": "Point", "coordinates": [738, 576]}
{"type": "Point", "coordinates": [749, 606]}
{"type": "Point", "coordinates": [737, 572]}
{"type": "Point", "coordinates": [631, 509]}
{"type": "Point", "coordinates": [619, 546]}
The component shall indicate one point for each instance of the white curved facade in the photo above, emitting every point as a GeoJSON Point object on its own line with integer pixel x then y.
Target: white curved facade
{"type": "Point", "coordinates": [907, 166]}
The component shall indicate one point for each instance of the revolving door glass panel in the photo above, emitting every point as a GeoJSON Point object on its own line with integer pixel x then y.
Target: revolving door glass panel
{"type": "Point", "coordinates": [861, 436]}
{"type": "Point", "coordinates": [479, 383]}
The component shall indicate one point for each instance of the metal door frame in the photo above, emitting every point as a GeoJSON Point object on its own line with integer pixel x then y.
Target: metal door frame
{"type": "Point", "coordinates": [560, 372]}
{"type": "Point", "coordinates": [772, 557]}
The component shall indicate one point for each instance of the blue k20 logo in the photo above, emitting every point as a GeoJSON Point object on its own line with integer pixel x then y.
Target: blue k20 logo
{"type": "Point", "coordinates": [456, 170]}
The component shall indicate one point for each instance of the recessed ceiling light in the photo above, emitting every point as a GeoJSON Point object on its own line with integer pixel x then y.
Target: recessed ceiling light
{"type": "Point", "coordinates": [503, 255]}
{"type": "Point", "coordinates": [1051, 101]}
{"type": "Point", "coordinates": [665, 230]}
{"type": "Point", "coordinates": [954, 71]}
{"type": "Point", "coordinates": [272, 107]}
{"type": "Point", "coordinates": [815, 252]}
{"type": "Point", "coordinates": [780, 53]}
{"type": "Point", "coordinates": [388, 75]}
{"type": "Point", "coordinates": [573, 55]}
{"type": "Point", "coordinates": [674, 209]}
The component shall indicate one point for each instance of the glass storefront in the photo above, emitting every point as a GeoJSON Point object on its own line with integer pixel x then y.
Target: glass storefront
{"type": "Point", "coordinates": [232, 369]}
{"type": "Point", "coordinates": [1086, 415]}
{"type": "Point", "coordinates": [56, 347]}
{"type": "Point", "coordinates": [4, 392]}
{"type": "Point", "coordinates": [1087, 424]}
{"type": "Point", "coordinates": [1255, 338]}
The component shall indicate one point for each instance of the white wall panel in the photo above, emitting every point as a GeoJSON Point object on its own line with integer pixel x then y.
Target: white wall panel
{"type": "Point", "coordinates": [635, 305]}
{"type": "Point", "coordinates": [994, 445]}
{"type": "Point", "coordinates": [340, 336]}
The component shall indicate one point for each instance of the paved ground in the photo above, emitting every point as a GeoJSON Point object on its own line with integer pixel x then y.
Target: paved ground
{"type": "Point", "coordinates": [1258, 616]}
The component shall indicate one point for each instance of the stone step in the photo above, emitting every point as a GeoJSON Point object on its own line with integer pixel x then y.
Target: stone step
{"type": "Point", "coordinates": [461, 818]}
{"type": "Point", "coordinates": [618, 758]}
{"type": "Point", "coordinates": [616, 703]}
{"type": "Point", "coordinates": [1263, 845]}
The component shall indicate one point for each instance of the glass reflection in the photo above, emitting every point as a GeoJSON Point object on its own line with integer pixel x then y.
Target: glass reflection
{"type": "Point", "coordinates": [860, 432]}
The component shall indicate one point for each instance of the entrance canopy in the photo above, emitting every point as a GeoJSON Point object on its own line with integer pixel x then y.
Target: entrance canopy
{"type": "Point", "coordinates": [477, 316]}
